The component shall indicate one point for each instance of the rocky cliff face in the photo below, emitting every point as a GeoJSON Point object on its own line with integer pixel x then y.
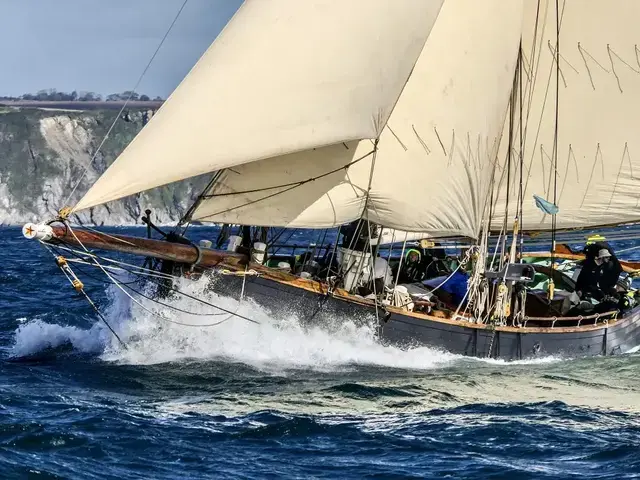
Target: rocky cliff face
{"type": "Point", "coordinates": [44, 153]}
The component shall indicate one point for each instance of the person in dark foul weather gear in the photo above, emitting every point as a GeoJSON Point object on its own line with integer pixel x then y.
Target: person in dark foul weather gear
{"type": "Point", "coordinates": [610, 271]}
{"type": "Point", "coordinates": [600, 273]}
{"type": "Point", "coordinates": [412, 269]}
{"type": "Point", "coordinates": [434, 261]}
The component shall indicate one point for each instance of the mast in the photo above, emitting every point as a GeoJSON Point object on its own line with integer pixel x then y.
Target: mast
{"type": "Point", "coordinates": [515, 100]}
{"type": "Point", "coordinates": [555, 155]}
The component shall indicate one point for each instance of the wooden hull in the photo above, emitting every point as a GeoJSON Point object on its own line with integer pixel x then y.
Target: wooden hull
{"type": "Point", "coordinates": [459, 337]}
{"type": "Point", "coordinates": [284, 294]}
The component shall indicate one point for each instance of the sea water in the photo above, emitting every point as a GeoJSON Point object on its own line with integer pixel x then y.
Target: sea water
{"type": "Point", "coordinates": [272, 399]}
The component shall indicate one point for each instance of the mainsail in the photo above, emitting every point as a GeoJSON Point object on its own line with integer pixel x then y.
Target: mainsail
{"type": "Point", "coordinates": [321, 112]}
{"type": "Point", "coordinates": [598, 160]}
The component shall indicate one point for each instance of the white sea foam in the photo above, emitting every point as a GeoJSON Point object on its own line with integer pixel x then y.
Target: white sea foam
{"type": "Point", "coordinates": [36, 335]}
{"type": "Point", "coordinates": [275, 343]}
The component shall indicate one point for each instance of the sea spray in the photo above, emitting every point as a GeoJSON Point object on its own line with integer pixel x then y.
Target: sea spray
{"type": "Point", "coordinates": [153, 335]}
{"type": "Point", "coordinates": [184, 328]}
{"type": "Point", "coordinates": [274, 343]}
{"type": "Point", "coordinates": [36, 336]}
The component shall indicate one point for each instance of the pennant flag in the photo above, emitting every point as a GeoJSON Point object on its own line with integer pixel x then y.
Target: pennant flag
{"type": "Point", "coordinates": [545, 206]}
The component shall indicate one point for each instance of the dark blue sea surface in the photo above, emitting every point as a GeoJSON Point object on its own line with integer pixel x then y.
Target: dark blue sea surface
{"type": "Point", "coordinates": [275, 400]}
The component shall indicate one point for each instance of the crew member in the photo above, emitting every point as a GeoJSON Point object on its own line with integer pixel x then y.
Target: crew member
{"type": "Point", "coordinates": [411, 270]}
{"type": "Point", "coordinates": [434, 261]}
{"type": "Point", "coordinates": [600, 273]}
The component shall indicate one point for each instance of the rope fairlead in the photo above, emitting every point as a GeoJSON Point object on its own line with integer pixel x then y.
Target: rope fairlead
{"type": "Point", "coordinates": [75, 281]}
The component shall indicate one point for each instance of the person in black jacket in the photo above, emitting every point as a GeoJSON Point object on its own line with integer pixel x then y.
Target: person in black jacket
{"type": "Point", "coordinates": [412, 269]}
{"type": "Point", "coordinates": [600, 273]}
{"type": "Point", "coordinates": [610, 270]}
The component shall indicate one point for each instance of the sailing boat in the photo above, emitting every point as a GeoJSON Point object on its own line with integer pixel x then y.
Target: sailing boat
{"type": "Point", "coordinates": [435, 119]}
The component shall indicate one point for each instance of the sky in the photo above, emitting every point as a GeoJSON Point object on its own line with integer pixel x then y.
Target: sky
{"type": "Point", "coordinates": [103, 45]}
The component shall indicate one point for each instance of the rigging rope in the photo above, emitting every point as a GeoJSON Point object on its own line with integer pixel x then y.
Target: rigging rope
{"type": "Point", "coordinates": [521, 154]}
{"type": "Point", "coordinates": [404, 245]}
{"type": "Point", "coordinates": [79, 287]}
{"type": "Point", "coordinates": [532, 84]}
{"type": "Point", "coordinates": [333, 254]}
{"type": "Point", "coordinates": [117, 283]}
{"type": "Point", "coordinates": [555, 153]}
{"type": "Point", "coordinates": [128, 285]}
{"type": "Point", "coordinates": [373, 271]}
{"type": "Point", "coordinates": [147, 271]}
{"type": "Point", "coordinates": [290, 186]}
{"type": "Point", "coordinates": [144, 72]}
{"type": "Point", "coordinates": [186, 218]}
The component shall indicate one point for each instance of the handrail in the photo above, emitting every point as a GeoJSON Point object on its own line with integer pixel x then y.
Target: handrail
{"type": "Point", "coordinates": [611, 315]}
{"type": "Point", "coordinates": [579, 317]}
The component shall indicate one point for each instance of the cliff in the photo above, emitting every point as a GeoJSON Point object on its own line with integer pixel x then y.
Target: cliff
{"type": "Point", "coordinates": [43, 154]}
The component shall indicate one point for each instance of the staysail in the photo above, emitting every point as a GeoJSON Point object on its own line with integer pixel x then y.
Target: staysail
{"type": "Point", "coordinates": [434, 159]}
{"type": "Point", "coordinates": [598, 166]}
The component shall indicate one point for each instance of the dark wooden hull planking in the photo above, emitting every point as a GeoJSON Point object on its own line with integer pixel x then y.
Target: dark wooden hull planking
{"type": "Point", "coordinates": [459, 337]}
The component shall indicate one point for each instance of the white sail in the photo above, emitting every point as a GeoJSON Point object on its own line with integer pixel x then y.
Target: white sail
{"type": "Point", "coordinates": [283, 76]}
{"type": "Point", "coordinates": [389, 235]}
{"type": "Point", "coordinates": [598, 167]}
{"type": "Point", "coordinates": [434, 159]}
